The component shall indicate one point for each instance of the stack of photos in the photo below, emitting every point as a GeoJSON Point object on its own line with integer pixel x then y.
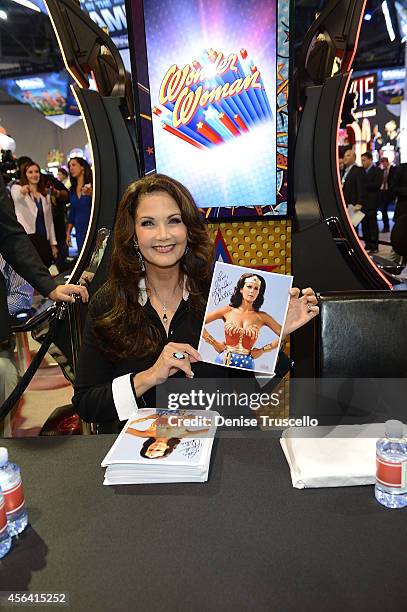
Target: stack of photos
{"type": "Point", "coordinates": [244, 318]}
{"type": "Point", "coordinates": [157, 446]}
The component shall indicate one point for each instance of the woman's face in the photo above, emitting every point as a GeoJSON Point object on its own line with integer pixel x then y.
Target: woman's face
{"type": "Point", "coordinates": [156, 449]}
{"type": "Point", "coordinates": [160, 232]}
{"type": "Point", "coordinates": [75, 168]}
{"type": "Point", "coordinates": [250, 290]}
{"type": "Point", "coordinates": [33, 174]}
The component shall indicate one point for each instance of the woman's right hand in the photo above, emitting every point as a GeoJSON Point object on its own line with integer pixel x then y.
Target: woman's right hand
{"type": "Point", "coordinates": [166, 364]}
{"type": "Point", "coordinates": [25, 190]}
{"type": "Point", "coordinates": [68, 240]}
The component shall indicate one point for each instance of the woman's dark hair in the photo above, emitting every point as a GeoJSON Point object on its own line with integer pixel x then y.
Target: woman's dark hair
{"type": "Point", "coordinates": [172, 443]}
{"type": "Point", "coordinates": [24, 180]}
{"type": "Point", "coordinates": [118, 327]}
{"type": "Point", "coordinates": [63, 171]}
{"type": "Point", "coordinates": [87, 176]}
{"type": "Point", "coordinates": [237, 297]}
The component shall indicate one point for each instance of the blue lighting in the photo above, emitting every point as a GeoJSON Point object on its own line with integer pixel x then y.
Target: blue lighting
{"type": "Point", "coordinates": [367, 16]}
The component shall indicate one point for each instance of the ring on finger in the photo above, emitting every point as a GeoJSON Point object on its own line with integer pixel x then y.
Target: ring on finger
{"type": "Point", "coordinates": [179, 355]}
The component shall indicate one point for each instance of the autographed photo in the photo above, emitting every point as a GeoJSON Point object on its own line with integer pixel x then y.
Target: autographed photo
{"type": "Point", "coordinates": [164, 435]}
{"type": "Point", "coordinates": [244, 318]}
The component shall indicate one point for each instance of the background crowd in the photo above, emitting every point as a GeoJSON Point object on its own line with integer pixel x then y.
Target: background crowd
{"type": "Point", "coordinates": [379, 191]}
{"type": "Point", "coordinates": [50, 207]}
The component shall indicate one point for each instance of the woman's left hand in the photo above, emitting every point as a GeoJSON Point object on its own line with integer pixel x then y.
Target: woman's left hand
{"type": "Point", "coordinates": [54, 249]}
{"type": "Point", "coordinates": [300, 309]}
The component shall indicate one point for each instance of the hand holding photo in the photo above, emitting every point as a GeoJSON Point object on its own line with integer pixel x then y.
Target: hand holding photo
{"type": "Point", "coordinates": [246, 312]}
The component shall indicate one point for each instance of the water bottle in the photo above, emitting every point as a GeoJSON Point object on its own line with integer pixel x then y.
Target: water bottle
{"type": "Point", "coordinates": [11, 485]}
{"type": "Point", "coordinates": [391, 467]}
{"type": "Point", "coordinates": [5, 537]}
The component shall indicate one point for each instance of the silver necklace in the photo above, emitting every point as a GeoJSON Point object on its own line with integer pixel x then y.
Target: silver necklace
{"type": "Point", "coordinates": [164, 304]}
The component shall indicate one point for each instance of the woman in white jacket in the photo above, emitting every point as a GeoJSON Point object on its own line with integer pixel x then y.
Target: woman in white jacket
{"type": "Point", "coordinates": [33, 211]}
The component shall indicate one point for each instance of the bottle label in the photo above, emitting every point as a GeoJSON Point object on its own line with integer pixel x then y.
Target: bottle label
{"type": "Point", "coordinates": [392, 475]}
{"type": "Point", "coordinates": [14, 499]}
{"type": "Point", "coordinates": [3, 518]}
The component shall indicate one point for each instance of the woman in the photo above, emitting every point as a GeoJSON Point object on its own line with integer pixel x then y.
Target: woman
{"type": "Point", "coordinates": [33, 210]}
{"type": "Point", "coordinates": [145, 322]}
{"type": "Point", "coordinates": [80, 197]}
{"type": "Point", "coordinates": [63, 176]}
{"type": "Point", "coordinates": [243, 321]}
{"type": "Point", "coordinates": [163, 437]}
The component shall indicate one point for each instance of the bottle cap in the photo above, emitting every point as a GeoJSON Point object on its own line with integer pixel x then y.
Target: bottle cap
{"type": "Point", "coordinates": [3, 455]}
{"type": "Point", "coordinates": [393, 429]}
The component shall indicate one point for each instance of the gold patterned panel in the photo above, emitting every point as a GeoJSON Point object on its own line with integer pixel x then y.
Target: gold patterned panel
{"type": "Point", "coordinates": [257, 243]}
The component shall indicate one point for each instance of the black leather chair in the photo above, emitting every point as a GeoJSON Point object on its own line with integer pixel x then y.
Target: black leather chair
{"type": "Point", "coordinates": [361, 360]}
{"type": "Point", "coordinates": [362, 334]}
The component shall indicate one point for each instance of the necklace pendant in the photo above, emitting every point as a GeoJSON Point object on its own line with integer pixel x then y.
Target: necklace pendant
{"type": "Point", "coordinates": [165, 318]}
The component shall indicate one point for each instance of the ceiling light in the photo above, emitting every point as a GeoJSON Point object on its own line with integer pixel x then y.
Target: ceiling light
{"type": "Point", "coordinates": [3, 15]}
{"type": "Point", "coordinates": [29, 5]}
{"type": "Point", "coordinates": [389, 24]}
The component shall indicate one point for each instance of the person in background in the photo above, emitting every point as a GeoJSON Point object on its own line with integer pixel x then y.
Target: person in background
{"type": "Point", "coordinates": [63, 176]}
{"type": "Point", "coordinates": [386, 191]}
{"type": "Point", "coordinates": [341, 166]}
{"type": "Point", "coordinates": [80, 197]}
{"type": "Point", "coordinates": [352, 180]}
{"type": "Point", "coordinates": [19, 299]}
{"type": "Point", "coordinates": [18, 251]}
{"type": "Point", "coordinates": [372, 181]}
{"type": "Point", "coordinates": [399, 192]}
{"type": "Point", "coordinates": [33, 210]}
{"type": "Point", "coordinates": [58, 194]}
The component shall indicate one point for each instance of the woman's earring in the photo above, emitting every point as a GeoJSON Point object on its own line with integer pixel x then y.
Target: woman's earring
{"type": "Point", "coordinates": [139, 255]}
{"type": "Point", "coordinates": [186, 255]}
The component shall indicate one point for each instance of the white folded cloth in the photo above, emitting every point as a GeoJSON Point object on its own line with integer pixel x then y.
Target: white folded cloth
{"type": "Point", "coordinates": [339, 456]}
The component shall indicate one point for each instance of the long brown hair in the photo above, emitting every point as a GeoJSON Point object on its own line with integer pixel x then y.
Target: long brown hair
{"type": "Point", "coordinates": [87, 174]}
{"type": "Point", "coordinates": [118, 328]}
{"type": "Point", "coordinates": [237, 298]}
{"type": "Point", "coordinates": [24, 180]}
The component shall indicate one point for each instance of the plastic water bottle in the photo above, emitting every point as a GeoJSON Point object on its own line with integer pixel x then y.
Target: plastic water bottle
{"type": "Point", "coordinates": [11, 485]}
{"type": "Point", "coordinates": [391, 467]}
{"type": "Point", "coordinates": [5, 537]}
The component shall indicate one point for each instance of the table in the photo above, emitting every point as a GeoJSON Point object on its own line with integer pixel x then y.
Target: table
{"type": "Point", "coordinates": [246, 540]}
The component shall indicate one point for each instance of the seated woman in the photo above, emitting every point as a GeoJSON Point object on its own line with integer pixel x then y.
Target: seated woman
{"type": "Point", "coordinates": [243, 322]}
{"type": "Point", "coordinates": [144, 324]}
{"type": "Point", "coordinates": [33, 210]}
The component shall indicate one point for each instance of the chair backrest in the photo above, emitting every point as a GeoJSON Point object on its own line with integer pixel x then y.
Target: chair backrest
{"type": "Point", "coordinates": [363, 334]}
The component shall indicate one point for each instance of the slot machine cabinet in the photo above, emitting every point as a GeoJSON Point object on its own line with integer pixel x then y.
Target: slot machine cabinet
{"type": "Point", "coordinates": [327, 253]}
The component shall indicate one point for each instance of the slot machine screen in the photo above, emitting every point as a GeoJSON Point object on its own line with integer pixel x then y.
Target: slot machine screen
{"type": "Point", "coordinates": [212, 84]}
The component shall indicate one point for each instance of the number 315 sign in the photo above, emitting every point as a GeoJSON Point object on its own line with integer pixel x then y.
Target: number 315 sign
{"type": "Point", "coordinates": [366, 89]}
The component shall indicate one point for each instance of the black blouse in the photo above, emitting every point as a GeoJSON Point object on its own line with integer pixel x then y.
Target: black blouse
{"type": "Point", "coordinates": [97, 373]}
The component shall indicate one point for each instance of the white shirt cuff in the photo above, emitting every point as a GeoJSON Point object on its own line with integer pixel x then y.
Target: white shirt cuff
{"type": "Point", "coordinates": [123, 397]}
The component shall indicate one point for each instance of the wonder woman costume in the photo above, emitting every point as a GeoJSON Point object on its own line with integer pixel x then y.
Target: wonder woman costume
{"type": "Point", "coordinates": [239, 342]}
